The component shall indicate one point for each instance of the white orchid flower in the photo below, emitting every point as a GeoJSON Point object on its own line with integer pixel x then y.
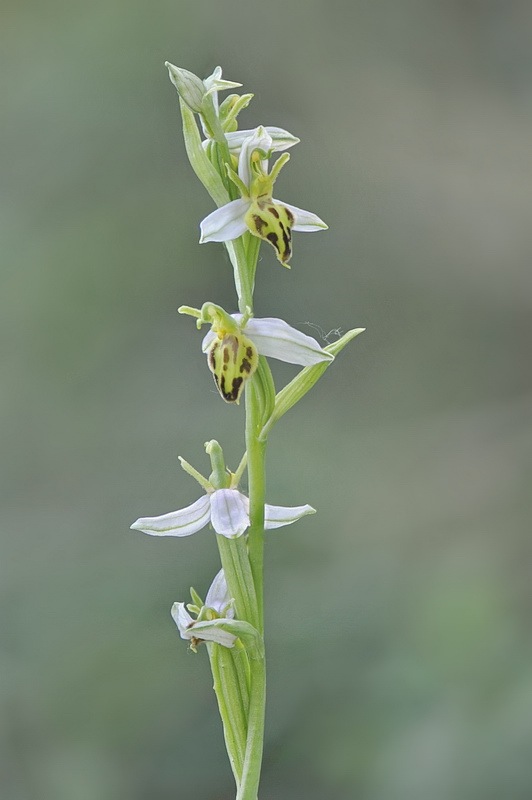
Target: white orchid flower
{"type": "Point", "coordinates": [226, 509]}
{"type": "Point", "coordinates": [223, 505]}
{"type": "Point", "coordinates": [275, 338]}
{"type": "Point", "coordinates": [206, 627]}
{"type": "Point", "coordinates": [235, 341]}
{"type": "Point", "coordinates": [233, 358]}
{"type": "Point", "coordinates": [256, 210]}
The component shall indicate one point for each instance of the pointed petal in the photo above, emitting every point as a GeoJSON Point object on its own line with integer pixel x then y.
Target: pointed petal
{"type": "Point", "coordinates": [277, 339]}
{"type": "Point", "coordinates": [229, 515]}
{"type": "Point", "coordinates": [183, 522]}
{"type": "Point", "coordinates": [218, 597]}
{"type": "Point", "coordinates": [281, 139]}
{"type": "Point", "coordinates": [215, 82]}
{"type": "Point", "coordinates": [215, 75]}
{"type": "Point", "coordinates": [182, 619]}
{"type": "Point", "coordinates": [305, 221]}
{"type": "Point", "coordinates": [225, 223]}
{"type": "Point", "coordinates": [277, 516]}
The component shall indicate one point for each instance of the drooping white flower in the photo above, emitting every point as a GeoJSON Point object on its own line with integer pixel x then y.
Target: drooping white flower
{"type": "Point", "coordinates": [206, 627]}
{"type": "Point", "coordinates": [256, 210]}
{"type": "Point", "coordinates": [226, 509]}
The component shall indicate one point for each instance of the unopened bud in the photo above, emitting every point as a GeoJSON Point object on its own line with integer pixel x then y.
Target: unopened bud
{"type": "Point", "coordinates": [191, 89]}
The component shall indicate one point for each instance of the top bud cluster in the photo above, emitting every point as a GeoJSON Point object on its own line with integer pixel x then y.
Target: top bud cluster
{"type": "Point", "coordinates": [242, 186]}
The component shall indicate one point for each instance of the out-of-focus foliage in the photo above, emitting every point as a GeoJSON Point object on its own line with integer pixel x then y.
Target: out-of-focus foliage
{"type": "Point", "coordinates": [399, 616]}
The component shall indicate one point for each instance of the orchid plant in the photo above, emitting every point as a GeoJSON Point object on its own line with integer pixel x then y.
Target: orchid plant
{"type": "Point", "coordinates": [234, 167]}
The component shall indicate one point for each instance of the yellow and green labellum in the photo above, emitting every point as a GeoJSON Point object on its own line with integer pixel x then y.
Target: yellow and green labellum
{"type": "Point", "coordinates": [273, 223]}
{"type": "Point", "coordinates": [232, 359]}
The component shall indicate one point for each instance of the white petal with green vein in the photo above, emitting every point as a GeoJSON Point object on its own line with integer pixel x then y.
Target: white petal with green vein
{"type": "Point", "coordinates": [183, 522]}
{"type": "Point", "coordinates": [229, 514]}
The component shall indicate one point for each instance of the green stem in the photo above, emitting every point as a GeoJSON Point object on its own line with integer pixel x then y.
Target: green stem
{"type": "Point", "coordinates": [243, 566]}
{"type": "Point", "coordinates": [257, 494]}
{"type": "Point", "coordinates": [244, 277]}
{"type": "Point", "coordinates": [243, 574]}
{"type": "Point", "coordinates": [246, 255]}
{"type": "Point", "coordinates": [249, 784]}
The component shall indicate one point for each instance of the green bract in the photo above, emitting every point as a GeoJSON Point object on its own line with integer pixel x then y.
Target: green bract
{"type": "Point", "coordinates": [294, 391]}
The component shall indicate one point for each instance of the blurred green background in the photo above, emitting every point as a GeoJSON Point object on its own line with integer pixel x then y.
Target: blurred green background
{"type": "Point", "coordinates": [399, 624]}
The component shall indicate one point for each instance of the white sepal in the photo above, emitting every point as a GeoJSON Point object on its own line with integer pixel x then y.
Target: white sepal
{"type": "Point", "coordinates": [277, 516]}
{"type": "Point", "coordinates": [281, 139]}
{"type": "Point", "coordinates": [183, 522]}
{"type": "Point", "coordinates": [208, 631]}
{"type": "Point", "coordinates": [229, 516]}
{"type": "Point", "coordinates": [305, 221]}
{"type": "Point", "coordinates": [277, 339]}
{"type": "Point", "coordinates": [225, 223]}
{"type": "Point", "coordinates": [218, 597]}
{"type": "Point", "coordinates": [215, 82]}
{"type": "Point", "coordinates": [182, 619]}
{"type": "Point", "coordinates": [213, 631]}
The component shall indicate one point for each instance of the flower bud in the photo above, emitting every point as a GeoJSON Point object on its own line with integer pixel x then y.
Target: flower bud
{"type": "Point", "coordinates": [191, 89]}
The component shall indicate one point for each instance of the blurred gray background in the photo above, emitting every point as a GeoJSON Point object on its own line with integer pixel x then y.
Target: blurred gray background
{"type": "Point", "coordinates": [399, 624]}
